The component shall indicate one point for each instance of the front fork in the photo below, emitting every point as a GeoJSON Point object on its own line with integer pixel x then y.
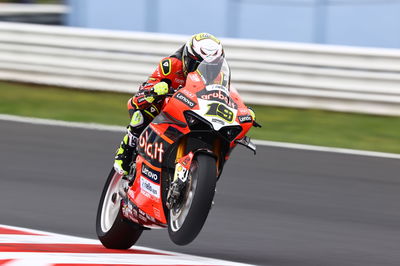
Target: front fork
{"type": "Point", "coordinates": [182, 169]}
{"type": "Point", "coordinates": [182, 148]}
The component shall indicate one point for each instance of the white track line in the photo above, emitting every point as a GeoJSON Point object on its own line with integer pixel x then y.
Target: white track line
{"type": "Point", "coordinates": [86, 251]}
{"type": "Point", "coordinates": [326, 149]}
{"type": "Point", "coordinates": [50, 122]}
{"type": "Point", "coordinates": [94, 126]}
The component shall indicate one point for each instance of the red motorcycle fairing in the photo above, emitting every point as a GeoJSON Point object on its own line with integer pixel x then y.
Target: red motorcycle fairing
{"type": "Point", "coordinates": [181, 155]}
{"type": "Point", "coordinates": [146, 193]}
{"type": "Point", "coordinates": [183, 166]}
{"type": "Point", "coordinates": [146, 190]}
{"type": "Point", "coordinates": [146, 204]}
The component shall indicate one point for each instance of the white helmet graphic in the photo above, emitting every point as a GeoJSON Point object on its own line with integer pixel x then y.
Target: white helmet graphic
{"type": "Point", "coordinates": [202, 46]}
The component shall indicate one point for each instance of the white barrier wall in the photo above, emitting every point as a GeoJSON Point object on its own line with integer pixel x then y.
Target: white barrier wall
{"type": "Point", "coordinates": [268, 73]}
{"type": "Point", "coordinates": [49, 14]}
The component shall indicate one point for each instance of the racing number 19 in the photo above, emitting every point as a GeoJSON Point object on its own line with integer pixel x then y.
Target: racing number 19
{"type": "Point", "coordinates": [220, 110]}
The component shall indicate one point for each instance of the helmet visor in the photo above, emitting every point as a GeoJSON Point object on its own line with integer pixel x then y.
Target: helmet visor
{"type": "Point", "coordinates": [190, 63]}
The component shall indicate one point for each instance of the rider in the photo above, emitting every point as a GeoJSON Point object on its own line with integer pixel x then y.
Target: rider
{"type": "Point", "coordinates": [170, 75]}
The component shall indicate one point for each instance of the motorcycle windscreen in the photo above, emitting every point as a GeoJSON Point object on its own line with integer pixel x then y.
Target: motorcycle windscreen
{"type": "Point", "coordinates": [216, 71]}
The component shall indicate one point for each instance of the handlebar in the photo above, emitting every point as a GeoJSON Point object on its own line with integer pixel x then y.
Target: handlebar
{"type": "Point", "coordinates": [155, 95]}
{"type": "Point", "coordinates": [255, 124]}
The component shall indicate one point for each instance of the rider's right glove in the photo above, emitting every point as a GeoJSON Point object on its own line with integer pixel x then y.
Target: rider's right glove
{"type": "Point", "coordinates": [160, 88]}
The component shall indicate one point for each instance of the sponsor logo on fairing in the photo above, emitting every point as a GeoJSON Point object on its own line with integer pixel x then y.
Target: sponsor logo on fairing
{"type": "Point", "coordinates": [245, 118]}
{"type": "Point", "coordinates": [131, 193]}
{"type": "Point", "coordinates": [194, 77]}
{"type": "Point", "coordinates": [154, 150]}
{"type": "Point", "coordinates": [185, 100]}
{"type": "Point", "coordinates": [149, 187]}
{"type": "Point", "coordinates": [151, 174]}
{"type": "Point", "coordinates": [143, 218]}
{"type": "Point", "coordinates": [188, 93]}
{"type": "Point", "coordinates": [217, 95]}
{"type": "Point", "coordinates": [157, 213]}
{"type": "Point", "coordinates": [217, 87]}
{"type": "Point", "coordinates": [150, 218]}
{"type": "Point", "coordinates": [214, 120]}
{"type": "Point", "coordinates": [129, 211]}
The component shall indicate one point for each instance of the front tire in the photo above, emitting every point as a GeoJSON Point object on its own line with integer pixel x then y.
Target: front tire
{"type": "Point", "coordinates": [113, 230]}
{"type": "Point", "coordinates": [186, 221]}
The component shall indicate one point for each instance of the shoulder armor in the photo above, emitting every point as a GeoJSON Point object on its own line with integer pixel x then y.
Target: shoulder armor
{"type": "Point", "coordinates": [166, 66]}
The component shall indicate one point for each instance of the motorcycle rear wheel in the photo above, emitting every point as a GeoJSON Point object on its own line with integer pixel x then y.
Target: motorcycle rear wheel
{"type": "Point", "coordinates": [113, 230]}
{"type": "Point", "coordinates": [186, 221]}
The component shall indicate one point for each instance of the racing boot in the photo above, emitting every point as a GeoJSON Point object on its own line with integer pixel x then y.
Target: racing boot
{"type": "Point", "coordinates": [125, 153]}
{"type": "Point", "coordinates": [127, 150]}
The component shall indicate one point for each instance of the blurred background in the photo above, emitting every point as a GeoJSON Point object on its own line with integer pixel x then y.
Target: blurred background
{"type": "Point", "coordinates": [330, 55]}
{"type": "Point", "coordinates": [343, 22]}
{"type": "Point", "coordinates": [317, 72]}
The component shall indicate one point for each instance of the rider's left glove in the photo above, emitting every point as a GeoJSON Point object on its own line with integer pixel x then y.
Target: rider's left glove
{"type": "Point", "coordinates": [252, 113]}
{"type": "Point", "coordinates": [160, 88]}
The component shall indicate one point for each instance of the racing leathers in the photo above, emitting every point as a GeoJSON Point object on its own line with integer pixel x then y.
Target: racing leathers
{"type": "Point", "coordinates": [168, 76]}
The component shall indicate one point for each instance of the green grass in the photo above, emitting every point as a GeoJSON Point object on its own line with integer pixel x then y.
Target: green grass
{"type": "Point", "coordinates": [63, 104]}
{"type": "Point", "coordinates": [317, 127]}
{"type": "Point", "coordinates": [314, 127]}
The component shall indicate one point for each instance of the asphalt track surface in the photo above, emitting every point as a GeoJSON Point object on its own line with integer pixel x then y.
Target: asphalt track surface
{"type": "Point", "coordinates": [281, 207]}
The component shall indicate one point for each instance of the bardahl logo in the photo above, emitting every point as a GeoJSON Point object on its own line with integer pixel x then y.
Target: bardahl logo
{"type": "Point", "coordinates": [245, 118]}
{"type": "Point", "coordinates": [151, 174]}
{"type": "Point", "coordinates": [185, 100]}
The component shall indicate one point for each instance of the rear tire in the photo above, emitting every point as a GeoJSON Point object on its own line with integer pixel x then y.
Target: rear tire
{"type": "Point", "coordinates": [113, 230]}
{"type": "Point", "coordinates": [185, 223]}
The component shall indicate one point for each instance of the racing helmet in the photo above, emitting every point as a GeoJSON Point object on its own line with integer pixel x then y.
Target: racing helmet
{"type": "Point", "coordinates": [202, 46]}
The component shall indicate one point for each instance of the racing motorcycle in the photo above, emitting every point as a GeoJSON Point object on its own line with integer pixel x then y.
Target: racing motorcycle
{"type": "Point", "coordinates": [180, 157]}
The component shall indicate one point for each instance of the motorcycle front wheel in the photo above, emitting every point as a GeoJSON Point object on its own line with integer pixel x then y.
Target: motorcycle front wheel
{"type": "Point", "coordinates": [113, 230]}
{"type": "Point", "coordinates": [186, 220]}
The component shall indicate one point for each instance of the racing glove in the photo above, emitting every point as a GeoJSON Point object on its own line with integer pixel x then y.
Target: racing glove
{"type": "Point", "coordinates": [160, 88]}
{"type": "Point", "coordinates": [252, 113]}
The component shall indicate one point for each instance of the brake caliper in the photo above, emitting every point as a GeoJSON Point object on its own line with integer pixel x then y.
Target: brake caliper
{"type": "Point", "coordinates": [181, 174]}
